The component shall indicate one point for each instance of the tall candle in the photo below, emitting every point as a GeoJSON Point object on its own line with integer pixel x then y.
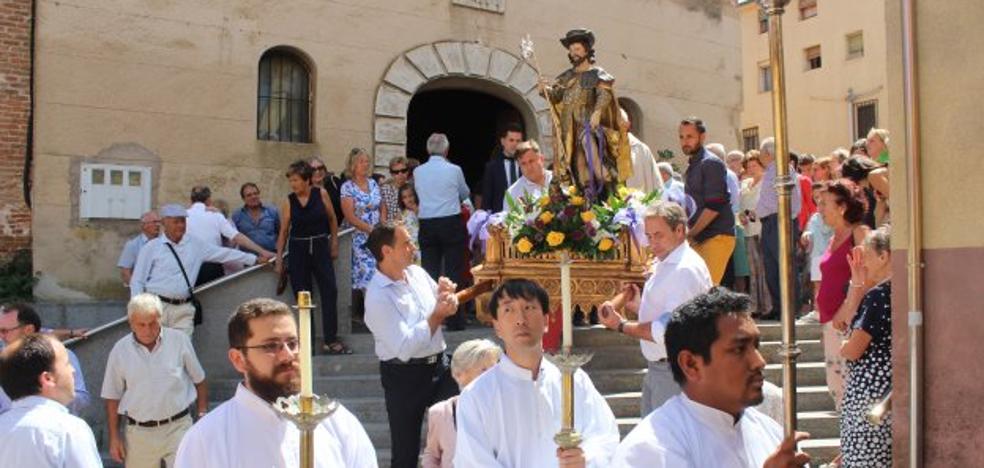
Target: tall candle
{"type": "Point", "coordinates": [565, 301]}
{"type": "Point", "coordinates": [304, 309]}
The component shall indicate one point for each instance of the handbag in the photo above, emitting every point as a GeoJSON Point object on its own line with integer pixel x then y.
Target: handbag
{"type": "Point", "coordinates": [191, 291]}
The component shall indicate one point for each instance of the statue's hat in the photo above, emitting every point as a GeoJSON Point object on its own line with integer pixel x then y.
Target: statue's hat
{"type": "Point", "coordinates": [578, 35]}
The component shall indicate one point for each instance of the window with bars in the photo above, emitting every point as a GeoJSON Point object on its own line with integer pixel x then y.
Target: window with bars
{"type": "Point", "coordinates": [808, 9]}
{"type": "Point", "coordinates": [750, 138]}
{"type": "Point", "coordinates": [855, 45]}
{"type": "Point", "coordinates": [765, 78]}
{"type": "Point", "coordinates": [865, 117]}
{"type": "Point", "coordinates": [283, 110]}
{"type": "Point", "coordinates": [813, 60]}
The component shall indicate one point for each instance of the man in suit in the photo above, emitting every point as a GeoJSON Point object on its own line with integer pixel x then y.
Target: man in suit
{"type": "Point", "coordinates": [502, 170]}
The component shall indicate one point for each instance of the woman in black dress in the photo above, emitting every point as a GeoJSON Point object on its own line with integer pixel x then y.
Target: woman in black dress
{"type": "Point", "coordinates": [868, 352]}
{"type": "Point", "coordinates": [309, 229]}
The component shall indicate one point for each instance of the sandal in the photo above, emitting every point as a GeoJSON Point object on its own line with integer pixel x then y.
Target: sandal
{"type": "Point", "coordinates": [336, 348]}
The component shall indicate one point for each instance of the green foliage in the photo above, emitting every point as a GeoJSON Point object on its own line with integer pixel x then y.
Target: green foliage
{"type": "Point", "coordinates": [17, 278]}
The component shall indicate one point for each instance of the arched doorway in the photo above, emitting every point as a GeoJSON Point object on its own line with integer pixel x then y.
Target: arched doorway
{"type": "Point", "coordinates": [464, 89]}
{"type": "Point", "coordinates": [471, 120]}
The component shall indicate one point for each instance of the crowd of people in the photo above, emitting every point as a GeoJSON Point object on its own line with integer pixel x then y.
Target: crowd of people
{"type": "Point", "coordinates": [713, 239]}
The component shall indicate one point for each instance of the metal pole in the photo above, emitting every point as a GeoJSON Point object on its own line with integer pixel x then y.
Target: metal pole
{"type": "Point", "coordinates": [307, 434]}
{"type": "Point", "coordinates": [784, 188]}
{"type": "Point", "coordinates": [913, 177]}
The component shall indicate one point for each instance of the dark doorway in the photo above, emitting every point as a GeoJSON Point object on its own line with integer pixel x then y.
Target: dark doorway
{"type": "Point", "coordinates": [471, 121]}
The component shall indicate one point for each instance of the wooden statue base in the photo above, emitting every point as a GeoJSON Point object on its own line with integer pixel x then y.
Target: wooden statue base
{"type": "Point", "coordinates": [592, 281]}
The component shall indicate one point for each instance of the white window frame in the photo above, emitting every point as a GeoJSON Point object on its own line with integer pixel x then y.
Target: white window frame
{"type": "Point", "coordinates": [110, 201]}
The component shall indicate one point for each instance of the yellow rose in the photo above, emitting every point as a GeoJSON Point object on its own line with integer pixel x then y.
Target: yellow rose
{"type": "Point", "coordinates": [623, 192]}
{"type": "Point", "coordinates": [555, 238]}
{"type": "Point", "coordinates": [577, 201]}
{"type": "Point", "coordinates": [587, 216]}
{"type": "Point", "coordinates": [544, 201]}
{"type": "Point", "coordinates": [546, 217]}
{"type": "Point", "coordinates": [524, 245]}
{"type": "Point", "coordinates": [572, 190]}
{"type": "Point", "coordinates": [606, 244]}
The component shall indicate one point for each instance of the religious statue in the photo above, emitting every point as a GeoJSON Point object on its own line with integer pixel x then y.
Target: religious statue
{"type": "Point", "coordinates": [593, 150]}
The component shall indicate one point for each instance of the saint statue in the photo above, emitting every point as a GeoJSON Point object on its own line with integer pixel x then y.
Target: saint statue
{"type": "Point", "coordinates": [593, 147]}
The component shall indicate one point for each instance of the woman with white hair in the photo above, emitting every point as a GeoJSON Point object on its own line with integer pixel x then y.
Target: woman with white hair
{"type": "Point", "coordinates": [363, 208]}
{"type": "Point", "coordinates": [469, 361]}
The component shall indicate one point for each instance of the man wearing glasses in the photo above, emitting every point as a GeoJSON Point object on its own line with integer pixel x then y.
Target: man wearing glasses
{"type": "Point", "coordinates": [150, 228]}
{"type": "Point", "coordinates": [152, 377]}
{"type": "Point", "coordinates": [246, 430]}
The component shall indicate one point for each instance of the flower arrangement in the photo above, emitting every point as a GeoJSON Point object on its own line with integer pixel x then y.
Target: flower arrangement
{"type": "Point", "coordinates": [565, 220]}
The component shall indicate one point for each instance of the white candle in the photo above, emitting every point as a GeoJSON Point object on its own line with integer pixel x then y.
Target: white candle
{"type": "Point", "coordinates": [304, 308]}
{"type": "Point", "coordinates": [565, 301]}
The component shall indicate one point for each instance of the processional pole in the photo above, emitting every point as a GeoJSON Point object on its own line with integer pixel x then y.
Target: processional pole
{"type": "Point", "coordinates": [784, 188]}
{"type": "Point", "coordinates": [306, 410]}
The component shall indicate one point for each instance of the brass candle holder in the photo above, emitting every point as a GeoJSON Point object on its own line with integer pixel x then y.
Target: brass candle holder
{"type": "Point", "coordinates": [568, 363]}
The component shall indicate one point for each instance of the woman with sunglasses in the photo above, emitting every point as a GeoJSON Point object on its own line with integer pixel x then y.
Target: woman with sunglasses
{"type": "Point", "coordinates": [399, 169]}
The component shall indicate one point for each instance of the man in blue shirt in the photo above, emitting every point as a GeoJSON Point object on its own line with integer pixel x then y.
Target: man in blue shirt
{"type": "Point", "coordinates": [441, 189]}
{"type": "Point", "coordinates": [256, 221]}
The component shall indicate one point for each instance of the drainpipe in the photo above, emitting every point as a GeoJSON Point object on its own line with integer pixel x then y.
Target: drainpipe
{"type": "Point", "coordinates": [915, 262]}
{"type": "Point", "coordinates": [26, 180]}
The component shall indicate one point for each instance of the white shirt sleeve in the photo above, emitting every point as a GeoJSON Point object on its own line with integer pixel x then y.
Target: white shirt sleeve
{"type": "Point", "coordinates": [213, 253]}
{"type": "Point", "coordinates": [471, 443]}
{"type": "Point", "coordinates": [141, 269]}
{"type": "Point", "coordinates": [387, 325]}
{"type": "Point", "coordinates": [113, 383]}
{"type": "Point", "coordinates": [226, 227]}
{"type": "Point", "coordinates": [191, 364]}
{"type": "Point", "coordinates": [80, 446]}
{"type": "Point", "coordinates": [357, 449]}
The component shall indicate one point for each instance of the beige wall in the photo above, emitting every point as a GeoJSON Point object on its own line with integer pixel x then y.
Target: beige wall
{"type": "Point", "coordinates": [818, 105]}
{"type": "Point", "coordinates": [173, 85]}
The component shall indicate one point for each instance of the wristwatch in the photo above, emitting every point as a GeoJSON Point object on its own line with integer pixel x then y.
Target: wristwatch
{"type": "Point", "coordinates": [621, 326]}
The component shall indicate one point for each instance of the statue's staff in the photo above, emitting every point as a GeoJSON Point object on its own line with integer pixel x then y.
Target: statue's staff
{"type": "Point", "coordinates": [529, 55]}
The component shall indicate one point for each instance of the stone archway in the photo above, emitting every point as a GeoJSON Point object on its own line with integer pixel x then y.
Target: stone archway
{"type": "Point", "coordinates": [487, 68]}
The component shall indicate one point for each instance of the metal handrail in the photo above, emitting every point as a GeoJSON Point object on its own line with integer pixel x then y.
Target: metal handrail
{"type": "Point", "coordinates": [211, 284]}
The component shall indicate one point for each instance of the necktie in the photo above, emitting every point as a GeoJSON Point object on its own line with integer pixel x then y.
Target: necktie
{"type": "Point", "coordinates": [512, 170]}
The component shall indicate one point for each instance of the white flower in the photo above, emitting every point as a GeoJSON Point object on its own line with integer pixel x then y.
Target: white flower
{"type": "Point", "coordinates": [526, 47]}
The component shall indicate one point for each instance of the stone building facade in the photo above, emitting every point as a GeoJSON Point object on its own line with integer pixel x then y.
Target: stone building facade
{"type": "Point", "coordinates": [137, 101]}
{"type": "Point", "coordinates": [15, 109]}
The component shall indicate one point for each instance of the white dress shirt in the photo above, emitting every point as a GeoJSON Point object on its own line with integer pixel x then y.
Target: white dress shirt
{"type": "Point", "coordinates": [524, 187]}
{"type": "Point", "coordinates": [397, 312]}
{"type": "Point", "coordinates": [441, 188]}
{"type": "Point", "coordinates": [128, 257]}
{"type": "Point", "coordinates": [645, 174]}
{"type": "Point", "coordinates": [685, 434]}
{"type": "Point", "coordinates": [680, 277]}
{"type": "Point", "coordinates": [152, 385]}
{"type": "Point", "coordinates": [507, 419]}
{"type": "Point", "coordinates": [246, 432]}
{"type": "Point", "coordinates": [750, 192]}
{"type": "Point", "coordinates": [157, 271]}
{"type": "Point", "coordinates": [39, 432]}
{"type": "Point", "coordinates": [209, 226]}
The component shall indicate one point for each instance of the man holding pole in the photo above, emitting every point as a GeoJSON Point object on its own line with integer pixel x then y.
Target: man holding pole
{"type": "Point", "coordinates": [508, 416]}
{"type": "Point", "coordinates": [246, 430]}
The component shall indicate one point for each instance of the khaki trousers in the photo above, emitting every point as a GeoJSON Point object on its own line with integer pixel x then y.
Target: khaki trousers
{"type": "Point", "coordinates": [146, 447]}
{"type": "Point", "coordinates": [716, 252]}
{"type": "Point", "coordinates": [179, 317]}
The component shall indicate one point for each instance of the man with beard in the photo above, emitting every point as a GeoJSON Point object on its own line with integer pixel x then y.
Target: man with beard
{"type": "Point", "coordinates": [246, 430]}
{"type": "Point", "coordinates": [152, 376]}
{"type": "Point", "coordinates": [594, 143]}
{"type": "Point", "coordinates": [712, 343]}
{"type": "Point", "coordinates": [712, 226]}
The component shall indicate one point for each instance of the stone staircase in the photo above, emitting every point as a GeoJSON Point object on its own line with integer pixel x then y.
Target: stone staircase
{"type": "Point", "coordinates": [617, 370]}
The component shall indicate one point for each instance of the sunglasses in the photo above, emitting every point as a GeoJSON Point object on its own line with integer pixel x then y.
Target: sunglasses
{"type": "Point", "coordinates": [399, 171]}
{"type": "Point", "coordinates": [318, 168]}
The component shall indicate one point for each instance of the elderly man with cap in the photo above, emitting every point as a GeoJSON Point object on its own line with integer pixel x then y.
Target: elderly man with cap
{"type": "Point", "coordinates": [169, 264]}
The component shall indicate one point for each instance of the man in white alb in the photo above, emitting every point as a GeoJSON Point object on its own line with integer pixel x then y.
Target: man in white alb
{"type": "Point", "coordinates": [404, 311]}
{"type": "Point", "coordinates": [677, 275]}
{"type": "Point", "coordinates": [645, 176]}
{"type": "Point", "coordinates": [246, 431]}
{"type": "Point", "coordinates": [152, 377]}
{"type": "Point", "coordinates": [712, 343]}
{"type": "Point", "coordinates": [535, 181]}
{"type": "Point", "coordinates": [38, 431]}
{"type": "Point", "coordinates": [507, 418]}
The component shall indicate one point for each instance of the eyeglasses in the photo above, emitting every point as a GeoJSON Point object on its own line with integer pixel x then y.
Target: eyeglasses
{"type": "Point", "coordinates": [399, 171]}
{"type": "Point", "coordinates": [274, 347]}
{"type": "Point", "coordinates": [4, 331]}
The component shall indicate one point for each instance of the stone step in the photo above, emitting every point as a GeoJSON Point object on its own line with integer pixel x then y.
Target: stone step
{"type": "Point", "coordinates": [820, 450]}
{"type": "Point", "coordinates": [630, 380]}
{"type": "Point", "coordinates": [807, 374]}
{"type": "Point", "coordinates": [820, 424]}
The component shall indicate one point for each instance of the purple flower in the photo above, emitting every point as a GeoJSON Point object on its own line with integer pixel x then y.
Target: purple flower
{"type": "Point", "coordinates": [577, 235]}
{"type": "Point", "coordinates": [538, 224]}
{"type": "Point", "coordinates": [570, 211]}
{"type": "Point", "coordinates": [589, 230]}
{"type": "Point", "coordinates": [539, 237]}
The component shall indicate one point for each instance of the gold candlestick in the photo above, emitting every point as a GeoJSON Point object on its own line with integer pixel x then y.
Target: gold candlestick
{"type": "Point", "coordinates": [305, 410]}
{"type": "Point", "coordinates": [568, 363]}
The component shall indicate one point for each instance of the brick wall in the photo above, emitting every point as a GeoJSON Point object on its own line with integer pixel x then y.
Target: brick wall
{"type": "Point", "coordinates": [15, 90]}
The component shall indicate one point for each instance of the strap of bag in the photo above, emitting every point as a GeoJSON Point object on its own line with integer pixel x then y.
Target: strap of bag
{"type": "Point", "coordinates": [191, 291]}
